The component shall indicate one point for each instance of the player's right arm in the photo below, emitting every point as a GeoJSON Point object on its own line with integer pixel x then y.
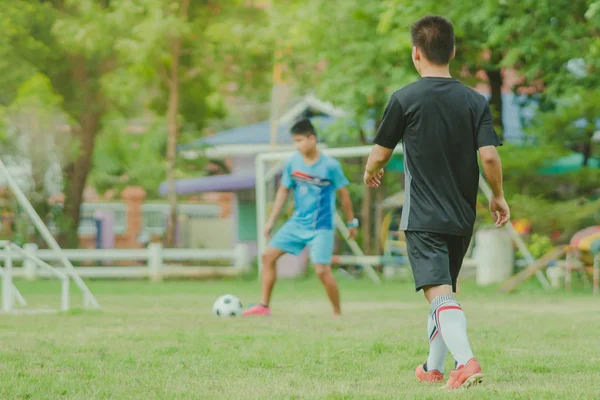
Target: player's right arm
{"type": "Point", "coordinates": [389, 134]}
{"type": "Point", "coordinates": [487, 140]}
{"type": "Point", "coordinates": [280, 199]}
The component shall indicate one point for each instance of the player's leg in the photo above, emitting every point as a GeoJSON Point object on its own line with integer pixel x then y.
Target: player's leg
{"type": "Point", "coordinates": [285, 240]}
{"type": "Point", "coordinates": [429, 268]}
{"type": "Point", "coordinates": [269, 274]}
{"type": "Point", "coordinates": [321, 250]}
{"type": "Point", "coordinates": [452, 321]}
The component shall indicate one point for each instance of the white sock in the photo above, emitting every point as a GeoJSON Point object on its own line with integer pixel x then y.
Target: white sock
{"type": "Point", "coordinates": [452, 325]}
{"type": "Point", "coordinates": [437, 347]}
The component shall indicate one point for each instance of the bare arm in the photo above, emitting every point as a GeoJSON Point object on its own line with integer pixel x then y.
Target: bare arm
{"type": "Point", "coordinates": [280, 199]}
{"type": "Point", "coordinates": [378, 158]}
{"type": "Point", "coordinates": [389, 134]}
{"type": "Point", "coordinates": [346, 203]}
{"type": "Point", "coordinates": [492, 169]}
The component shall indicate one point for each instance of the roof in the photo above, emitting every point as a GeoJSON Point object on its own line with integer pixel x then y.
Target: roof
{"type": "Point", "coordinates": [324, 114]}
{"type": "Point", "coordinates": [259, 133]}
{"type": "Point", "coordinates": [321, 113]}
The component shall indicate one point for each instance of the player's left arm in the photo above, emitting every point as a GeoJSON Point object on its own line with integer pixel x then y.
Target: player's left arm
{"type": "Point", "coordinates": [388, 136]}
{"type": "Point", "coordinates": [346, 203]}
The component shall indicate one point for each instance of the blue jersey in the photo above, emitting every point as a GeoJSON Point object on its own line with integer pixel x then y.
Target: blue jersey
{"type": "Point", "coordinates": [314, 189]}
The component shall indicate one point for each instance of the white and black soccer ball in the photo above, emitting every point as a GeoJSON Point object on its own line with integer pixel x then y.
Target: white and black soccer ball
{"type": "Point", "coordinates": [227, 306]}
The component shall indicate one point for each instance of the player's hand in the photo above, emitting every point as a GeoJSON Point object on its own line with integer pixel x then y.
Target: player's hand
{"type": "Point", "coordinates": [268, 229]}
{"type": "Point", "coordinates": [352, 233]}
{"type": "Point", "coordinates": [500, 211]}
{"type": "Point", "coordinates": [373, 179]}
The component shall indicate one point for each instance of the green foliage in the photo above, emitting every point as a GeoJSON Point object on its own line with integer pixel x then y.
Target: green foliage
{"type": "Point", "coordinates": [123, 159]}
{"type": "Point", "coordinates": [538, 245]}
{"type": "Point", "coordinates": [555, 46]}
{"type": "Point", "coordinates": [340, 50]}
{"type": "Point", "coordinates": [547, 217]}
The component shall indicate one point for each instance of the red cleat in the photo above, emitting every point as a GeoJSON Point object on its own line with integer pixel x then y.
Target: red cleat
{"type": "Point", "coordinates": [465, 376]}
{"type": "Point", "coordinates": [428, 376]}
{"type": "Point", "coordinates": [257, 310]}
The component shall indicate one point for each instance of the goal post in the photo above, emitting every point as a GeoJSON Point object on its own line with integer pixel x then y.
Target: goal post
{"type": "Point", "coordinates": [89, 301]}
{"type": "Point", "coordinates": [268, 165]}
{"type": "Point", "coordinates": [10, 293]}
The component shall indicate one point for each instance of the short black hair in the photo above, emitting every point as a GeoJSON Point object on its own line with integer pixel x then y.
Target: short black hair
{"type": "Point", "coordinates": [304, 127]}
{"type": "Point", "coordinates": [434, 36]}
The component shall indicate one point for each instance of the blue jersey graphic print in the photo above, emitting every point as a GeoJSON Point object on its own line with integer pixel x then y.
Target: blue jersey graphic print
{"type": "Point", "coordinates": [314, 189]}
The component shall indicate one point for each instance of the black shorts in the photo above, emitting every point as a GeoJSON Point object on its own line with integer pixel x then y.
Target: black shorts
{"type": "Point", "coordinates": [435, 258]}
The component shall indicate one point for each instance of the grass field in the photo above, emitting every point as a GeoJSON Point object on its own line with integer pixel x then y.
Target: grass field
{"type": "Point", "coordinates": [160, 341]}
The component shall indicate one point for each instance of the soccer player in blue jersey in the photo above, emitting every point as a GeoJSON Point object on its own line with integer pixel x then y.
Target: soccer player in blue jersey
{"type": "Point", "coordinates": [315, 179]}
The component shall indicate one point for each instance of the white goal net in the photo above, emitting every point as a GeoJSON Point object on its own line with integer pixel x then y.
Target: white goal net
{"type": "Point", "coordinates": [11, 297]}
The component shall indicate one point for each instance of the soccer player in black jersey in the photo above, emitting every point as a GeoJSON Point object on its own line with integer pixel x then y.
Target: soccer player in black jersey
{"type": "Point", "coordinates": [442, 124]}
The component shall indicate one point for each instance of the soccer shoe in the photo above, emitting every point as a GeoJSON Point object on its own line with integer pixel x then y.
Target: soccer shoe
{"type": "Point", "coordinates": [428, 376]}
{"type": "Point", "coordinates": [465, 376]}
{"type": "Point", "coordinates": [257, 310]}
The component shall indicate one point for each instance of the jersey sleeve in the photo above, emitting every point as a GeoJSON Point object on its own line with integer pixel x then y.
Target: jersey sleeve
{"type": "Point", "coordinates": [486, 134]}
{"type": "Point", "coordinates": [392, 126]}
{"type": "Point", "coordinates": [286, 176]}
{"type": "Point", "coordinates": [338, 178]}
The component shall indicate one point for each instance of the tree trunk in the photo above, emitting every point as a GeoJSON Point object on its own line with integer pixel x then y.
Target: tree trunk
{"type": "Point", "coordinates": [173, 133]}
{"type": "Point", "coordinates": [587, 146]}
{"type": "Point", "coordinates": [76, 172]}
{"type": "Point", "coordinates": [495, 80]}
{"type": "Point", "coordinates": [75, 176]}
{"type": "Point", "coordinates": [171, 159]}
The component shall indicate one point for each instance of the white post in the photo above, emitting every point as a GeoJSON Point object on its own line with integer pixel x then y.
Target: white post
{"type": "Point", "coordinates": [29, 267]}
{"type": "Point", "coordinates": [64, 298]}
{"type": "Point", "coordinates": [261, 201]}
{"type": "Point", "coordinates": [487, 191]}
{"type": "Point", "coordinates": [241, 257]}
{"type": "Point", "coordinates": [7, 285]}
{"type": "Point", "coordinates": [155, 261]}
{"type": "Point", "coordinates": [355, 247]}
{"type": "Point", "coordinates": [18, 297]}
{"type": "Point", "coordinates": [89, 298]}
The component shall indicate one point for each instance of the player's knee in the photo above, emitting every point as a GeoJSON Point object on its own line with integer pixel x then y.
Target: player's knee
{"type": "Point", "coordinates": [269, 257]}
{"type": "Point", "coordinates": [433, 291]}
{"type": "Point", "coordinates": [323, 271]}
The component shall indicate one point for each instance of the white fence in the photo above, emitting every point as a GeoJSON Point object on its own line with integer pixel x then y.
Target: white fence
{"type": "Point", "coordinates": [154, 215]}
{"type": "Point", "coordinates": [155, 258]}
{"type": "Point", "coordinates": [10, 293]}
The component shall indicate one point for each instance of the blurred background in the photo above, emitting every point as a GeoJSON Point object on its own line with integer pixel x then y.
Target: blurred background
{"type": "Point", "coordinates": [132, 123]}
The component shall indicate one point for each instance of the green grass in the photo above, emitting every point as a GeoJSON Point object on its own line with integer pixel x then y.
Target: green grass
{"type": "Point", "coordinates": [160, 341]}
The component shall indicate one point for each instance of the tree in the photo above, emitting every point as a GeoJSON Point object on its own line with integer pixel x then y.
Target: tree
{"type": "Point", "coordinates": [174, 51]}
{"type": "Point", "coordinates": [561, 57]}
{"type": "Point", "coordinates": [478, 48]}
{"type": "Point", "coordinates": [35, 126]}
{"type": "Point", "coordinates": [71, 42]}
{"type": "Point", "coordinates": [335, 49]}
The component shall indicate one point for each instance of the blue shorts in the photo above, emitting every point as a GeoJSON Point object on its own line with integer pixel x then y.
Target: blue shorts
{"type": "Point", "coordinates": [293, 239]}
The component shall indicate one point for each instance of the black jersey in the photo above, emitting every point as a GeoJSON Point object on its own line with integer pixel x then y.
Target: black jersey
{"type": "Point", "coordinates": [442, 123]}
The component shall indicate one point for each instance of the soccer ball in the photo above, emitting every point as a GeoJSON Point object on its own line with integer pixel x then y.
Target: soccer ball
{"type": "Point", "coordinates": [227, 306]}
